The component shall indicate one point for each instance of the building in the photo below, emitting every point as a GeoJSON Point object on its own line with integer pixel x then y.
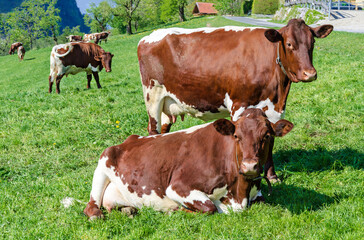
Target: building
{"type": "Point", "coordinates": [204, 8]}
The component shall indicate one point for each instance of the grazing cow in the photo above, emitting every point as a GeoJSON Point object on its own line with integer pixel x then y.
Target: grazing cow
{"type": "Point", "coordinates": [101, 36]}
{"type": "Point", "coordinates": [21, 53]}
{"type": "Point", "coordinates": [14, 47]}
{"type": "Point", "coordinates": [214, 167]}
{"type": "Point", "coordinates": [72, 58]}
{"type": "Point", "coordinates": [74, 38]}
{"type": "Point", "coordinates": [89, 37]}
{"type": "Point", "coordinates": [96, 37]}
{"type": "Point", "coordinates": [211, 73]}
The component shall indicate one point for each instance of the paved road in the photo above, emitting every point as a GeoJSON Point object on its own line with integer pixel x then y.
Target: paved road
{"type": "Point", "coordinates": [353, 21]}
{"type": "Point", "coordinates": [252, 21]}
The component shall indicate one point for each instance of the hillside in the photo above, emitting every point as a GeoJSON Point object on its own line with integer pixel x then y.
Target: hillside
{"type": "Point", "coordinates": [69, 12]}
{"type": "Point", "coordinates": [50, 145]}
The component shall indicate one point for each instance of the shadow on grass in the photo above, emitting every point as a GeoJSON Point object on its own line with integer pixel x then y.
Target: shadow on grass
{"type": "Point", "coordinates": [298, 199]}
{"type": "Point", "coordinates": [298, 160]}
{"type": "Point", "coordinates": [28, 59]}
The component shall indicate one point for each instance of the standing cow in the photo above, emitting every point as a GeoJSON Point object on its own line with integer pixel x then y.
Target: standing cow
{"type": "Point", "coordinates": [21, 53]}
{"type": "Point", "coordinates": [74, 38]}
{"type": "Point", "coordinates": [213, 168]}
{"type": "Point", "coordinates": [14, 47]}
{"type": "Point", "coordinates": [211, 73]}
{"type": "Point", "coordinates": [72, 58]}
{"type": "Point", "coordinates": [96, 37]}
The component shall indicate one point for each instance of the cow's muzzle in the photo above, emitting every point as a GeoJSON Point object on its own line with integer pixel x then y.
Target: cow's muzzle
{"type": "Point", "coordinates": [108, 70]}
{"type": "Point", "coordinates": [249, 168]}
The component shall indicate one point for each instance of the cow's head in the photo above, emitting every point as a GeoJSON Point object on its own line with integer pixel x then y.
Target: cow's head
{"type": "Point", "coordinates": [296, 43]}
{"type": "Point", "coordinates": [105, 58]}
{"type": "Point", "coordinates": [253, 134]}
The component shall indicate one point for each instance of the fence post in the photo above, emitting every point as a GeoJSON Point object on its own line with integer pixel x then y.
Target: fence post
{"type": "Point", "coordinates": [329, 9]}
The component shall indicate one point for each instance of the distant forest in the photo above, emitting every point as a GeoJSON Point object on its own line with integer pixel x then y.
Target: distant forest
{"type": "Point", "coordinates": [69, 12]}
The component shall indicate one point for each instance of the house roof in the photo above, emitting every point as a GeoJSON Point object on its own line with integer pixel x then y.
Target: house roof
{"type": "Point", "coordinates": [206, 8]}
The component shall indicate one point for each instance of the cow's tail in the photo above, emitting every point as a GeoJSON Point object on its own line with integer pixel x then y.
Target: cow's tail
{"type": "Point", "coordinates": [68, 46]}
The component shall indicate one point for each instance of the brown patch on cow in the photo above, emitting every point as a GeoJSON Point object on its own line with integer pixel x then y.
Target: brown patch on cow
{"type": "Point", "coordinates": [152, 126]}
{"type": "Point", "coordinates": [92, 210]}
{"type": "Point", "coordinates": [203, 207]}
{"type": "Point", "coordinates": [265, 108]}
{"type": "Point", "coordinates": [147, 97]}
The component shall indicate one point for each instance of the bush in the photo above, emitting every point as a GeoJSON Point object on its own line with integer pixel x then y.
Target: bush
{"type": "Point", "coordinates": [265, 6]}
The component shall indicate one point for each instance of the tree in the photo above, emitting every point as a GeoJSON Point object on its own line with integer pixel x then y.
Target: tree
{"type": "Point", "coordinates": [125, 9]}
{"type": "Point", "coordinates": [230, 7]}
{"type": "Point", "coordinates": [98, 17]}
{"type": "Point", "coordinates": [34, 19]}
{"type": "Point", "coordinates": [170, 8]}
{"type": "Point", "coordinates": [148, 13]}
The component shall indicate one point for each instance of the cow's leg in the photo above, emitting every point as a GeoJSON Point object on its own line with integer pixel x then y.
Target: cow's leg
{"type": "Point", "coordinates": [50, 78]}
{"type": "Point", "coordinates": [96, 76]}
{"type": "Point", "coordinates": [166, 123]}
{"type": "Point", "coordinates": [58, 81]}
{"type": "Point", "coordinates": [196, 201]}
{"type": "Point", "coordinates": [89, 78]}
{"type": "Point", "coordinates": [99, 184]}
{"type": "Point", "coordinates": [269, 165]}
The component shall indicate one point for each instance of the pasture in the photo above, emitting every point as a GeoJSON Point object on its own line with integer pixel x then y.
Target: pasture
{"type": "Point", "coordinates": [50, 145]}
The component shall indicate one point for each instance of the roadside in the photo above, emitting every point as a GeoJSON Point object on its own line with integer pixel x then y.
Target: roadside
{"type": "Point", "coordinates": [347, 21]}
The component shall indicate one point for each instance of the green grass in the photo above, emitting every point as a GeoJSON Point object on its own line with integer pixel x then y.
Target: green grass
{"type": "Point", "coordinates": [50, 144]}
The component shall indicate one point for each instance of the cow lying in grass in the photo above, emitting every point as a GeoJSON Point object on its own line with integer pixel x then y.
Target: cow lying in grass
{"type": "Point", "coordinates": [207, 168]}
{"type": "Point", "coordinates": [72, 58]}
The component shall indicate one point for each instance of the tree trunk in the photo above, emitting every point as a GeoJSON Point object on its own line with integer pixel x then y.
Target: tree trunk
{"type": "Point", "coordinates": [182, 13]}
{"type": "Point", "coordinates": [128, 28]}
{"type": "Point", "coordinates": [54, 35]}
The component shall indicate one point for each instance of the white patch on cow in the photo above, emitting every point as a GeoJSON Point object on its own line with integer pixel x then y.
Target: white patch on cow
{"type": "Point", "coordinates": [188, 130]}
{"type": "Point", "coordinates": [272, 115]}
{"type": "Point", "coordinates": [232, 206]}
{"type": "Point", "coordinates": [159, 34]}
{"type": "Point", "coordinates": [150, 136]}
{"type": "Point", "coordinates": [254, 193]}
{"type": "Point", "coordinates": [196, 195]}
{"type": "Point", "coordinates": [67, 202]}
{"type": "Point", "coordinates": [228, 102]}
{"type": "Point", "coordinates": [123, 197]}
{"type": "Point", "coordinates": [237, 113]}
{"type": "Point", "coordinates": [158, 99]}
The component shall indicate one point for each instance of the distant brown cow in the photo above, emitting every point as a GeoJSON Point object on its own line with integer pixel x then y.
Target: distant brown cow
{"type": "Point", "coordinates": [21, 53]}
{"type": "Point", "coordinates": [74, 38]}
{"type": "Point", "coordinates": [14, 47]}
{"type": "Point", "coordinates": [214, 167]}
{"type": "Point", "coordinates": [72, 58]}
{"type": "Point", "coordinates": [101, 36]}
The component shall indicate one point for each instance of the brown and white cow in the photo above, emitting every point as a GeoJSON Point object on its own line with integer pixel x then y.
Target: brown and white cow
{"type": "Point", "coordinates": [72, 58]}
{"type": "Point", "coordinates": [101, 37]}
{"type": "Point", "coordinates": [74, 38]}
{"type": "Point", "coordinates": [14, 47]}
{"type": "Point", "coordinates": [21, 53]}
{"type": "Point", "coordinates": [211, 73]}
{"type": "Point", "coordinates": [96, 37]}
{"type": "Point", "coordinates": [207, 168]}
{"type": "Point", "coordinates": [89, 37]}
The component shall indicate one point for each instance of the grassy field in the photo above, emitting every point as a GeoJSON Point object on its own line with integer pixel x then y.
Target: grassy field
{"type": "Point", "coordinates": [50, 144]}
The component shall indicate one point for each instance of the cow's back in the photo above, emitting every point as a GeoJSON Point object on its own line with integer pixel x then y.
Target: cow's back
{"type": "Point", "coordinates": [190, 157]}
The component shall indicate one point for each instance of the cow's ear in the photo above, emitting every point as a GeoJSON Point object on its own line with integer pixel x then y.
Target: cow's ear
{"type": "Point", "coordinates": [322, 31]}
{"type": "Point", "coordinates": [273, 35]}
{"type": "Point", "coordinates": [224, 126]}
{"type": "Point", "coordinates": [112, 55]}
{"type": "Point", "coordinates": [98, 58]}
{"type": "Point", "coordinates": [282, 127]}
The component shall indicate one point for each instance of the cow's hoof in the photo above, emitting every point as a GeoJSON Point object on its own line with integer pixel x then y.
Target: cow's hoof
{"type": "Point", "coordinates": [93, 218]}
{"type": "Point", "coordinates": [274, 179]}
{"type": "Point", "coordinates": [129, 211]}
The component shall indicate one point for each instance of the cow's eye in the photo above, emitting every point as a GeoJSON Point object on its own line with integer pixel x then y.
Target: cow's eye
{"type": "Point", "coordinates": [289, 45]}
{"type": "Point", "coordinates": [235, 136]}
